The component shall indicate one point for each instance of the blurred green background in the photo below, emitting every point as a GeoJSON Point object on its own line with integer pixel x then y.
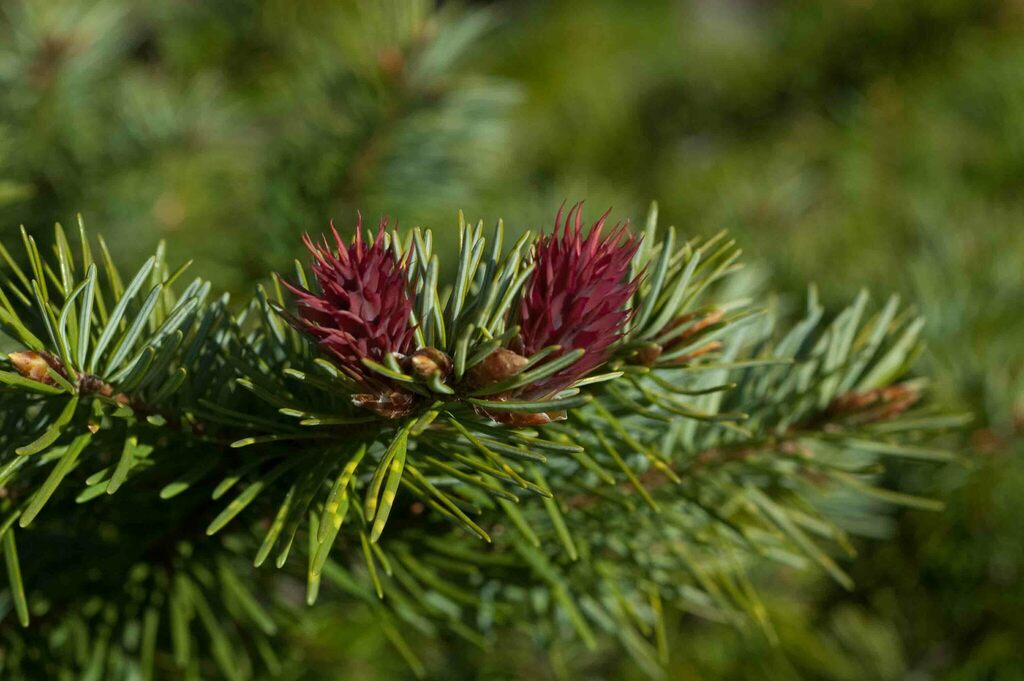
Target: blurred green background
{"type": "Point", "coordinates": [850, 143]}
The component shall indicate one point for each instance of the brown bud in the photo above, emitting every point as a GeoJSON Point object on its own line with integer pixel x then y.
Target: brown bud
{"type": "Point", "coordinates": [496, 367]}
{"type": "Point", "coordinates": [702, 350]}
{"type": "Point", "coordinates": [522, 419]}
{"type": "Point", "coordinates": [391, 61]}
{"type": "Point", "coordinates": [391, 405]}
{"type": "Point", "coordinates": [796, 449]}
{"type": "Point", "coordinates": [709, 319]}
{"type": "Point", "coordinates": [426, 363]}
{"type": "Point", "coordinates": [815, 477]}
{"type": "Point", "coordinates": [91, 384]}
{"type": "Point", "coordinates": [880, 404]}
{"type": "Point", "coordinates": [647, 355]}
{"type": "Point", "coordinates": [715, 456]}
{"type": "Point", "coordinates": [680, 320]}
{"type": "Point", "coordinates": [31, 365]}
{"type": "Point", "coordinates": [986, 440]}
{"type": "Point", "coordinates": [853, 401]}
{"type": "Point", "coordinates": [895, 408]}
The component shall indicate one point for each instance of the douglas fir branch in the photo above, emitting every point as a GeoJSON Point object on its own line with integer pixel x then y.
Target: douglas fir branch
{"type": "Point", "coordinates": [583, 432]}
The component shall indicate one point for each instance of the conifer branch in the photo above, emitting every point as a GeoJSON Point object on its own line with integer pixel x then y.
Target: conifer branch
{"type": "Point", "coordinates": [580, 414]}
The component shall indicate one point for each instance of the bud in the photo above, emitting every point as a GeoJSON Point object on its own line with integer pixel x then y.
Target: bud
{"type": "Point", "coordinates": [576, 297]}
{"type": "Point", "coordinates": [88, 384]}
{"type": "Point", "coordinates": [392, 404]}
{"type": "Point", "coordinates": [499, 366]}
{"type": "Point", "coordinates": [426, 363]}
{"type": "Point", "coordinates": [699, 352]}
{"type": "Point", "coordinates": [496, 367]}
{"type": "Point", "coordinates": [986, 441]}
{"type": "Point", "coordinates": [704, 322]}
{"type": "Point", "coordinates": [361, 310]}
{"type": "Point", "coordinates": [31, 365]}
{"type": "Point", "coordinates": [685, 328]}
{"type": "Point", "coordinates": [525, 419]}
{"type": "Point", "coordinates": [647, 355]}
{"type": "Point", "coordinates": [391, 61]}
{"type": "Point", "coordinates": [880, 404]}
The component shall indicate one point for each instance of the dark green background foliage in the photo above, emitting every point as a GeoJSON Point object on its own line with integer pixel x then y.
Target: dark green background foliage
{"type": "Point", "coordinates": [851, 143]}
